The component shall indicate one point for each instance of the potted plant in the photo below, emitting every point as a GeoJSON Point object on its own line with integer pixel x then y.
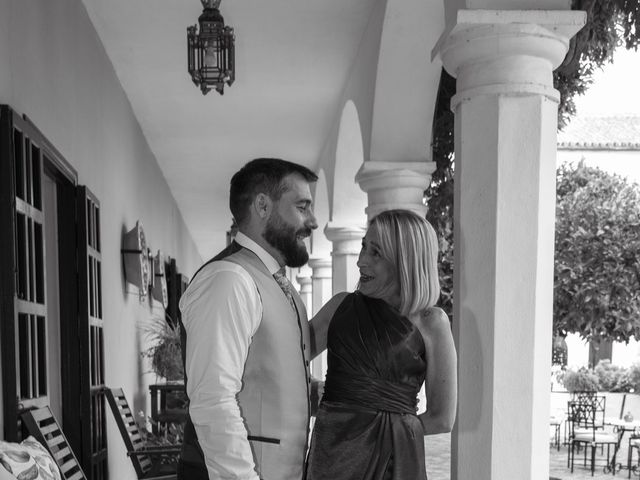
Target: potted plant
{"type": "Point", "coordinates": [165, 355]}
{"type": "Point", "coordinates": [165, 352]}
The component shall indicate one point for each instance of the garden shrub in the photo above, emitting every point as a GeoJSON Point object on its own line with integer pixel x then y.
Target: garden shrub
{"type": "Point", "coordinates": [612, 378]}
{"type": "Point", "coordinates": [581, 380]}
{"type": "Point", "coordinates": [633, 377]}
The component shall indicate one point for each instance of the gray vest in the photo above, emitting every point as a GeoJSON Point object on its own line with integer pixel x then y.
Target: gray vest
{"type": "Point", "coordinates": [274, 400]}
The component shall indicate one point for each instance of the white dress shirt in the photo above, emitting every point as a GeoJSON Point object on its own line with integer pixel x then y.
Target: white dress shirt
{"type": "Point", "coordinates": [221, 311]}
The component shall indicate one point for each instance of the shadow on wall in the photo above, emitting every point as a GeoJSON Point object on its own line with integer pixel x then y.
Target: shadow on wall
{"type": "Point", "coordinates": [474, 403]}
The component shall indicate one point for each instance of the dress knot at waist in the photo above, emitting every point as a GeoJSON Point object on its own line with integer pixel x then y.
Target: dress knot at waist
{"type": "Point", "coordinates": [370, 392]}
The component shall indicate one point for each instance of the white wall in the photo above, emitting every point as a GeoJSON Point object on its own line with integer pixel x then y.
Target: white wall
{"type": "Point", "coordinates": [622, 354]}
{"type": "Point", "coordinates": [622, 162]}
{"type": "Point", "coordinates": [577, 351]}
{"type": "Point", "coordinates": [54, 68]}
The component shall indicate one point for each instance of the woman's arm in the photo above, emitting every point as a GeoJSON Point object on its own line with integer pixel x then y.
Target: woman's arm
{"type": "Point", "coordinates": [319, 324]}
{"type": "Point", "coordinates": [441, 381]}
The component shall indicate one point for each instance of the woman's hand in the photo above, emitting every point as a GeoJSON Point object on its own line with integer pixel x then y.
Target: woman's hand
{"type": "Point", "coordinates": [441, 379]}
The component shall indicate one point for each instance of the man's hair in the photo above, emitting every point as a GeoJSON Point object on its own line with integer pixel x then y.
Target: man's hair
{"type": "Point", "coordinates": [262, 175]}
{"type": "Point", "coordinates": [409, 242]}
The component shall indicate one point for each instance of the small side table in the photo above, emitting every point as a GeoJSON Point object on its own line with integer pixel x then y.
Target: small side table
{"type": "Point", "coordinates": [554, 423]}
{"type": "Point", "coordinates": [162, 411]}
{"type": "Point", "coordinates": [621, 426]}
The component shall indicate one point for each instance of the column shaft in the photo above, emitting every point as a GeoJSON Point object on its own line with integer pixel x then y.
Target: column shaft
{"type": "Point", "coordinates": [504, 200]}
{"type": "Point", "coordinates": [321, 293]}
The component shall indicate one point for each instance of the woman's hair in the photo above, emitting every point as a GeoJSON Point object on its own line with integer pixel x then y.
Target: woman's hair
{"type": "Point", "coordinates": [409, 242]}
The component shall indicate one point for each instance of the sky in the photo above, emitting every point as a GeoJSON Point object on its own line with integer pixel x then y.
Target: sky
{"type": "Point", "coordinates": [615, 90]}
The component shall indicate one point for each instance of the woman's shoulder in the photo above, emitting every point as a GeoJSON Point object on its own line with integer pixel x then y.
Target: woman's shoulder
{"type": "Point", "coordinates": [334, 302]}
{"type": "Point", "coordinates": [338, 298]}
{"type": "Point", "coordinates": [433, 319]}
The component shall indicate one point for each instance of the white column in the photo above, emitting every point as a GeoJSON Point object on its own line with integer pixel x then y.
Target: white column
{"type": "Point", "coordinates": [304, 280]}
{"type": "Point", "coordinates": [321, 281]}
{"type": "Point", "coordinates": [391, 185]}
{"type": "Point", "coordinates": [321, 286]}
{"type": "Point", "coordinates": [344, 255]}
{"type": "Point", "coordinates": [505, 133]}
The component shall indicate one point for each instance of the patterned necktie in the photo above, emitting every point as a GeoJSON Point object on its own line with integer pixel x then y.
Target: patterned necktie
{"type": "Point", "coordinates": [286, 286]}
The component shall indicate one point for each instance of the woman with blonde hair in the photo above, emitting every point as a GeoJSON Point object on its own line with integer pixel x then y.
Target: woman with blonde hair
{"type": "Point", "coordinates": [384, 341]}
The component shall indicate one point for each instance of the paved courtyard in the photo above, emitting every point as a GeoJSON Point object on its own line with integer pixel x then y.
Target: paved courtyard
{"type": "Point", "coordinates": [438, 457]}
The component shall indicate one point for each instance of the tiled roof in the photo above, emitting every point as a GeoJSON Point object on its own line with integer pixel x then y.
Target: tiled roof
{"type": "Point", "coordinates": [601, 133]}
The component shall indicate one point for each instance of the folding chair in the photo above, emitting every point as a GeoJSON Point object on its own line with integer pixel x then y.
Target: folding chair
{"type": "Point", "coordinates": [149, 462]}
{"type": "Point", "coordinates": [43, 426]}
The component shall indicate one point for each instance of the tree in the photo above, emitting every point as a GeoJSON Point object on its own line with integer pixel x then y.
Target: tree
{"type": "Point", "coordinates": [610, 24]}
{"type": "Point", "coordinates": [440, 193]}
{"type": "Point", "coordinates": [597, 255]}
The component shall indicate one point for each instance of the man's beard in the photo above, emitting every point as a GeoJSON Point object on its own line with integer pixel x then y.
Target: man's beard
{"type": "Point", "coordinates": [283, 237]}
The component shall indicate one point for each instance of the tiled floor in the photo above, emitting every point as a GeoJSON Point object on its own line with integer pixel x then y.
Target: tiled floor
{"type": "Point", "coordinates": [438, 458]}
{"type": "Point", "coordinates": [558, 465]}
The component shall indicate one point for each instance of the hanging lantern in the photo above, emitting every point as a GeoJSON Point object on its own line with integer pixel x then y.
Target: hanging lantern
{"type": "Point", "coordinates": [210, 52]}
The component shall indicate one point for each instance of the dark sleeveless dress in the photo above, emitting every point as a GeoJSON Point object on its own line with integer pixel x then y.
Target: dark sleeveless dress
{"type": "Point", "coordinates": [366, 427]}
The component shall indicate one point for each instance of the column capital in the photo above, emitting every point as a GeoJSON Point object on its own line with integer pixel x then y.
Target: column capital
{"type": "Point", "coordinates": [498, 52]}
{"type": "Point", "coordinates": [305, 283]}
{"type": "Point", "coordinates": [321, 267]}
{"type": "Point", "coordinates": [346, 239]}
{"type": "Point", "coordinates": [391, 185]}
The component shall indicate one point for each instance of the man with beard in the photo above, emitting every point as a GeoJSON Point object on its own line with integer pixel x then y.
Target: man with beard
{"type": "Point", "coordinates": [245, 336]}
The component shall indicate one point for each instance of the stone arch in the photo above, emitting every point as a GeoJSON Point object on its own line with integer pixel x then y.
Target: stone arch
{"type": "Point", "coordinates": [349, 201]}
{"type": "Point", "coordinates": [403, 104]}
{"type": "Point", "coordinates": [320, 245]}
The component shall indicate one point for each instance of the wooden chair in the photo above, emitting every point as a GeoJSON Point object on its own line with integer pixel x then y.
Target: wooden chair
{"type": "Point", "coordinates": [149, 462]}
{"type": "Point", "coordinates": [43, 426]}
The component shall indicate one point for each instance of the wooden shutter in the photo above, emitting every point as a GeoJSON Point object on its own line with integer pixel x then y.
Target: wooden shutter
{"type": "Point", "coordinates": [94, 433]}
{"type": "Point", "coordinates": [23, 313]}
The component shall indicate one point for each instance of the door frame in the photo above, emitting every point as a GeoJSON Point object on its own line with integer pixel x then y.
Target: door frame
{"type": "Point", "coordinates": [66, 179]}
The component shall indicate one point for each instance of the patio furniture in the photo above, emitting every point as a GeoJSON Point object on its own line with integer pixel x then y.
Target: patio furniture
{"type": "Point", "coordinates": [622, 426]}
{"type": "Point", "coordinates": [554, 423]}
{"type": "Point", "coordinates": [149, 462]}
{"type": "Point", "coordinates": [43, 426]}
{"type": "Point", "coordinates": [586, 429]}
{"type": "Point", "coordinates": [634, 446]}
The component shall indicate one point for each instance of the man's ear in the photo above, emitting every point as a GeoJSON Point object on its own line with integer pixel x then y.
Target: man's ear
{"type": "Point", "coordinates": [262, 204]}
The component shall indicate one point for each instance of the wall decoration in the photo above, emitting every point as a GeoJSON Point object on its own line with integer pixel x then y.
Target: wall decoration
{"type": "Point", "coordinates": [176, 285]}
{"type": "Point", "coordinates": [159, 289]}
{"type": "Point", "coordinates": [135, 253]}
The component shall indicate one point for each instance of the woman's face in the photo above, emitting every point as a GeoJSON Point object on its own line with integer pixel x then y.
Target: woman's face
{"type": "Point", "coordinates": [377, 275]}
